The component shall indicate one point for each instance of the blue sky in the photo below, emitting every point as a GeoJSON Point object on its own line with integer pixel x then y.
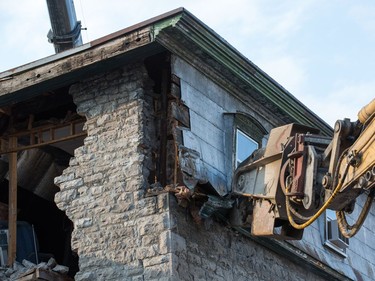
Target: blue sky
{"type": "Point", "coordinates": [320, 51]}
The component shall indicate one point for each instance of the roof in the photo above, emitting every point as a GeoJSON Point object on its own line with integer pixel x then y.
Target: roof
{"type": "Point", "coordinates": [177, 31]}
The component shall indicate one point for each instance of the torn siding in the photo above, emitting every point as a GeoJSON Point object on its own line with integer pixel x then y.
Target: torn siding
{"type": "Point", "coordinates": [210, 160]}
{"type": "Point", "coordinates": [207, 103]}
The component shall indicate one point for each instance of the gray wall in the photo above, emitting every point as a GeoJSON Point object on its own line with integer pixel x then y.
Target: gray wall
{"type": "Point", "coordinates": [208, 103]}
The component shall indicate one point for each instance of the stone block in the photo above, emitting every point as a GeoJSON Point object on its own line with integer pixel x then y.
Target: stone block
{"type": "Point", "coordinates": [157, 271]}
{"type": "Point", "coordinates": [84, 222]}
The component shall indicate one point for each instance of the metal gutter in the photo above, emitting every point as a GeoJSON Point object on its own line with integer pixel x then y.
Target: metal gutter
{"type": "Point", "coordinates": [65, 33]}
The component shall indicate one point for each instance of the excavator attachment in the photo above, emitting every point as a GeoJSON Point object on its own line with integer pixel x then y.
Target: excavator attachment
{"type": "Point", "coordinates": [284, 187]}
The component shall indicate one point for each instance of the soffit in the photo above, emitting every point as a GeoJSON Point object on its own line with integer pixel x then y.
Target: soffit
{"type": "Point", "coordinates": [189, 38]}
{"type": "Point", "coordinates": [178, 31]}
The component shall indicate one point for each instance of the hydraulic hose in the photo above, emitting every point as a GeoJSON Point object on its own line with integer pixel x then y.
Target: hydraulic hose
{"type": "Point", "coordinates": [321, 210]}
{"type": "Point", "coordinates": [351, 230]}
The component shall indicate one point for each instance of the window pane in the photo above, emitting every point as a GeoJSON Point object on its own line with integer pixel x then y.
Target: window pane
{"type": "Point", "coordinates": [245, 146]}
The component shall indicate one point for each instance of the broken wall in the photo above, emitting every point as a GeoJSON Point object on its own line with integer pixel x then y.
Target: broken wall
{"type": "Point", "coordinates": [117, 230]}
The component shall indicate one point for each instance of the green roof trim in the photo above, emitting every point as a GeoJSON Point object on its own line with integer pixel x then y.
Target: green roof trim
{"type": "Point", "coordinates": [191, 28]}
{"type": "Point", "coordinates": [183, 34]}
{"type": "Point", "coordinates": [169, 22]}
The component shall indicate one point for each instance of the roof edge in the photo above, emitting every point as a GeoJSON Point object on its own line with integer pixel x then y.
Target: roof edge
{"type": "Point", "coordinates": [228, 56]}
{"type": "Point", "coordinates": [102, 40]}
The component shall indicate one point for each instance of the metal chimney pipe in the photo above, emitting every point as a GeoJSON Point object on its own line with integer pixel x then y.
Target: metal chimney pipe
{"type": "Point", "coordinates": [66, 30]}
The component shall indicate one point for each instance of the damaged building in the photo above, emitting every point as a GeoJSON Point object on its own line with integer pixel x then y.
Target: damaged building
{"type": "Point", "coordinates": [117, 160]}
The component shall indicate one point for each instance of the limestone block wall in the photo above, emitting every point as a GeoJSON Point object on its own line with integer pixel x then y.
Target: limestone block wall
{"type": "Point", "coordinates": [212, 251]}
{"type": "Point", "coordinates": [117, 230]}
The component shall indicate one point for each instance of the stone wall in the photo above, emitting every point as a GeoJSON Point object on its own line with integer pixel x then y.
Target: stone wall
{"type": "Point", "coordinates": [212, 251]}
{"type": "Point", "coordinates": [117, 230]}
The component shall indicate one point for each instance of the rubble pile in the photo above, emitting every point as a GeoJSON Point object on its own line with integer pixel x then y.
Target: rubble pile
{"type": "Point", "coordinates": [30, 271]}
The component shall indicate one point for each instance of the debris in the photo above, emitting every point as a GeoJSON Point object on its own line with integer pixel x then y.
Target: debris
{"type": "Point", "coordinates": [28, 264]}
{"type": "Point", "coordinates": [61, 269]}
{"type": "Point", "coordinates": [155, 189]}
{"type": "Point", "coordinates": [28, 271]}
{"type": "Point", "coordinates": [182, 193]}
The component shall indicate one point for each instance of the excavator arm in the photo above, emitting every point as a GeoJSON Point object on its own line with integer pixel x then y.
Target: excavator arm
{"type": "Point", "coordinates": [286, 186]}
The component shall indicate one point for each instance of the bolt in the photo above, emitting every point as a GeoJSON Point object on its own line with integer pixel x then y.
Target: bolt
{"type": "Point", "coordinates": [327, 181]}
{"type": "Point", "coordinates": [373, 171]}
{"type": "Point", "coordinates": [354, 158]}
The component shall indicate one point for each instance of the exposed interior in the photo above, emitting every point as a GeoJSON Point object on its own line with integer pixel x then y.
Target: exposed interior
{"type": "Point", "coordinates": [48, 129]}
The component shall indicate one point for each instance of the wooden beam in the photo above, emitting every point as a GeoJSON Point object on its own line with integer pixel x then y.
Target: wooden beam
{"type": "Point", "coordinates": [165, 88]}
{"type": "Point", "coordinates": [12, 221]}
{"type": "Point", "coordinates": [43, 274]}
{"type": "Point", "coordinates": [68, 131]}
{"type": "Point", "coordinates": [79, 60]}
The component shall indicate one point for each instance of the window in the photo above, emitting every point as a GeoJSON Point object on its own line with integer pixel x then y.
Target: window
{"type": "Point", "coordinates": [243, 135]}
{"type": "Point", "coordinates": [333, 237]}
{"type": "Point", "coordinates": [244, 146]}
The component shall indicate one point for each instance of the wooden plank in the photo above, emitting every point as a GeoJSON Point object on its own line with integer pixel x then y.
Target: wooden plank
{"type": "Point", "coordinates": [207, 131]}
{"type": "Point", "coordinates": [12, 221]}
{"type": "Point", "coordinates": [180, 112]}
{"type": "Point", "coordinates": [77, 61]}
{"type": "Point", "coordinates": [20, 148]}
{"type": "Point", "coordinates": [43, 274]}
{"type": "Point", "coordinates": [35, 135]}
{"type": "Point", "coordinates": [175, 79]}
{"type": "Point", "coordinates": [165, 86]}
{"type": "Point", "coordinates": [175, 91]}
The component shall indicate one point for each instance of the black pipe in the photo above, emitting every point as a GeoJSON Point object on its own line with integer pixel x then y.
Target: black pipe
{"type": "Point", "coordinates": [66, 30]}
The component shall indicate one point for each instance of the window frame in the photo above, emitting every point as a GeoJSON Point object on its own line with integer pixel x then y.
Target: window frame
{"type": "Point", "coordinates": [251, 127]}
{"type": "Point", "coordinates": [342, 244]}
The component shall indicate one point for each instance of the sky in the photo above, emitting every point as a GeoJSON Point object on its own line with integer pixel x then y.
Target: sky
{"type": "Point", "coordinates": [322, 52]}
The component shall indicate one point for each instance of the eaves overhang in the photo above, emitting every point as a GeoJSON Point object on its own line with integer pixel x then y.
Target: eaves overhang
{"type": "Point", "coordinates": [177, 31]}
{"type": "Point", "coordinates": [127, 45]}
{"type": "Point", "coordinates": [184, 34]}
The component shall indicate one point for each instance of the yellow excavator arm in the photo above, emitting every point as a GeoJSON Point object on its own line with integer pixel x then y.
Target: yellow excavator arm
{"type": "Point", "coordinates": [299, 174]}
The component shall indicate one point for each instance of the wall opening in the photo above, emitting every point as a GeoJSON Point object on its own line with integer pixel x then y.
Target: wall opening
{"type": "Point", "coordinates": [47, 130]}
